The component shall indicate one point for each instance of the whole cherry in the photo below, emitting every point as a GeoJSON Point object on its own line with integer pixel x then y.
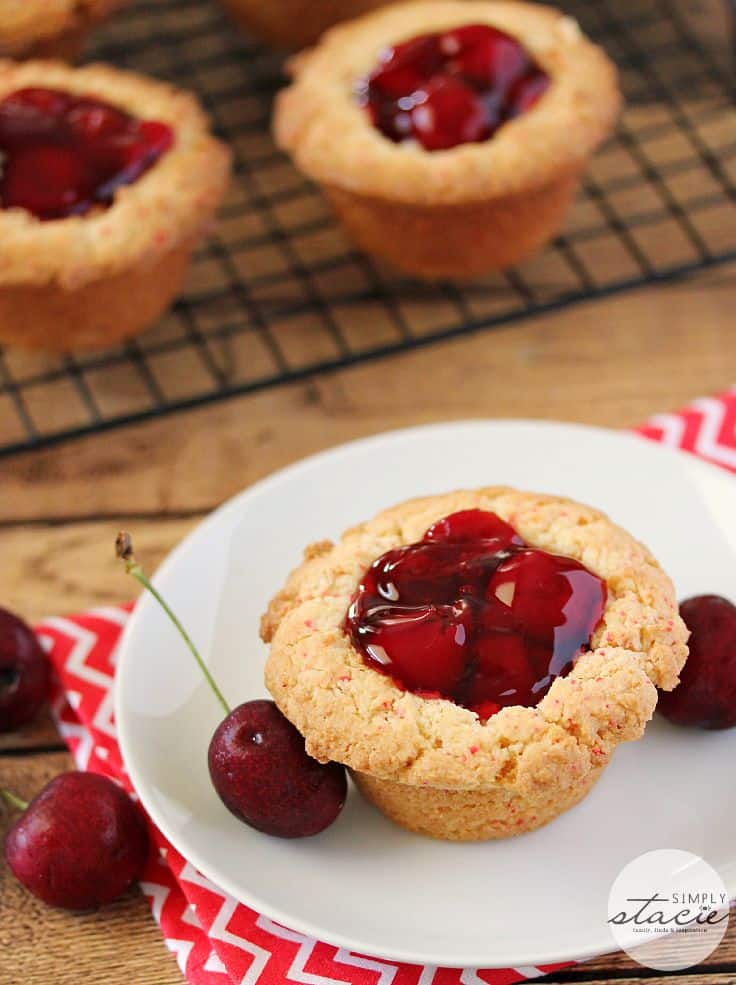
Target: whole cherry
{"type": "Point", "coordinates": [258, 762]}
{"type": "Point", "coordinates": [24, 673]}
{"type": "Point", "coordinates": [79, 844]}
{"type": "Point", "coordinates": [263, 774]}
{"type": "Point", "coordinates": [706, 695]}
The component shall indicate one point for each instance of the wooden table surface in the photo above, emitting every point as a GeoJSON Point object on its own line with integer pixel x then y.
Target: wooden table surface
{"type": "Point", "coordinates": [610, 362]}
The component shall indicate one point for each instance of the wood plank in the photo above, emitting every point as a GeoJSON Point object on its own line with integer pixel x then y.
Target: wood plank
{"type": "Point", "coordinates": [63, 569]}
{"type": "Point", "coordinates": [611, 362]}
{"type": "Point", "coordinates": [41, 733]}
{"type": "Point", "coordinates": [117, 945]}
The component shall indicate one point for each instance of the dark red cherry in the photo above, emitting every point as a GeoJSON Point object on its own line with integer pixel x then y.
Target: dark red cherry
{"type": "Point", "coordinates": [527, 92]}
{"type": "Point", "coordinates": [80, 843]}
{"type": "Point", "coordinates": [45, 180]}
{"type": "Point", "coordinates": [501, 669]}
{"type": "Point", "coordinates": [472, 526]}
{"type": "Point", "coordinates": [485, 56]}
{"type": "Point", "coordinates": [24, 673]}
{"type": "Point", "coordinates": [453, 88]}
{"type": "Point", "coordinates": [65, 154]}
{"type": "Point", "coordinates": [473, 614]}
{"type": "Point", "coordinates": [548, 595]}
{"type": "Point", "coordinates": [407, 66]}
{"type": "Point", "coordinates": [90, 120]}
{"type": "Point", "coordinates": [448, 113]}
{"type": "Point", "coordinates": [261, 771]}
{"type": "Point", "coordinates": [706, 695]}
{"type": "Point", "coordinates": [424, 645]}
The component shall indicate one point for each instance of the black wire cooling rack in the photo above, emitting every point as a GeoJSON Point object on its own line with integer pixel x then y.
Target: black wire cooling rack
{"type": "Point", "coordinates": [279, 293]}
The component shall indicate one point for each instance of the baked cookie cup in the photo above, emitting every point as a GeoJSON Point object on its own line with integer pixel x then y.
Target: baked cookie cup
{"type": "Point", "coordinates": [92, 279]}
{"type": "Point", "coordinates": [430, 764]}
{"type": "Point", "coordinates": [294, 24]}
{"type": "Point", "coordinates": [50, 28]}
{"type": "Point", "coordinates": [468, 209]}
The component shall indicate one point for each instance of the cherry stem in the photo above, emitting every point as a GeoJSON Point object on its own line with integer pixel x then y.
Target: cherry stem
{"type": "Point", "coordinates": [12, 800]}
{"type": "Point", "coordinates": [124, 550]}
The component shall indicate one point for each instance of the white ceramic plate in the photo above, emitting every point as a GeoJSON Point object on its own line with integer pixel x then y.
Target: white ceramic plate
{"type": "Point", "coordinates": [365, 884]}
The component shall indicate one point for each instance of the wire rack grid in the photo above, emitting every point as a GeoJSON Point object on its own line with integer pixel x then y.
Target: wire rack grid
{"type": "Point", "coordinates": [278, 293]}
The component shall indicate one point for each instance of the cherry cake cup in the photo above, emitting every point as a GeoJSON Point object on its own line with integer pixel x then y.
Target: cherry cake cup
{"type": "Point", "coordinates": [294, 24]}
{"type": "Point", "coordinates": [474, 658]}
{"type": "Point", "coordinates": [50, 28]}
{"type": "Point", "coordinates": [450, 137]}
{"type": "Point", "coordinates": [109, 181]}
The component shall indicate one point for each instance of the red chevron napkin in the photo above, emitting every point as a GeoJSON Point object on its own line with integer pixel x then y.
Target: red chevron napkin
{"type": "Point", "coordinates": [217, 940]}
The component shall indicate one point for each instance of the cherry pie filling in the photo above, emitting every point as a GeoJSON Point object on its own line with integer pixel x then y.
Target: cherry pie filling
{"type": "Point", "coordinates": [473, 614]}
{"type": "Point", "coordinates": [453, 88]}
{"type": "Point", "coordinates": [63, 155]}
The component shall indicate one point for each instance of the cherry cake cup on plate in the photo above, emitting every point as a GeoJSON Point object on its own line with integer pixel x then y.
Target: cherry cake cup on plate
{"type": "Point", "coordinates": [474, 658]}
{"type": "Point", "coordinates": [449, 137]}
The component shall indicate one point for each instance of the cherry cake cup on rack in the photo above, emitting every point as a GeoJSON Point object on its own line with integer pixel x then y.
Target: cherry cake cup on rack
{"type": "Point", "coordinates": [294, 24]}
{"type": "Point", "coordinates": [474, 658]}
{"type": "Point", "coordinates": [109, 181]}
{"type": "Point", "coordinates": [449, 136]}
{"type": "Point", "coordinates": [50, 28]}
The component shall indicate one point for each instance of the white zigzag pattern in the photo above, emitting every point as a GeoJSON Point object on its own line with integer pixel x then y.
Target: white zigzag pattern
{"type": "Point", "coordinates": [218, 931]}
{"type": "Point", "coordinates": [85, 640]}
{"type": "Point", "coordinates": [470, 976]}
{"type": "Point", "coordinates": [103, 719]}
{"type": "Point", "coordinates": [110, 613]}
{"type": "Point", "coordinates": [69, 731]}
{"type": "Point", "coordinates": [190, 915]}
{"type": "Point", "coordinates": [707, 442]}
{"type": "Point", "coordinates": [159, 894]}
{"type": "Point", "coordinates": [297, 971]}
{"type": "Point", "coordinates": [84, 643]}
{"type": "Point", "coordinates": [214, 964]}
{"type": "Point", "coordinates": [387, 972]}
{"type": "Point", "coordinates": [182, 950]}
{"type": "Point", "coordinates": [672, 427]}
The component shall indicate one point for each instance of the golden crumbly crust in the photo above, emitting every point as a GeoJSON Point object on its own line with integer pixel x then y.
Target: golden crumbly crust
{"type": "Point", "coordinates": [471, 815]}
{"type": "Point", "coordinates": [319, 121]}
{"type": "Point", "coordinates": [461, 241]}
{"type": "Point", "coordinates": [294, 23]}
{"type": "Point", "coordinates": [541, 756]}
{"type": "Point", "coordinates": [167, 207]}
{"type": "Point", "coordinates": [28, 25]}
{"type": "Point", "coordinates": [97, 315]}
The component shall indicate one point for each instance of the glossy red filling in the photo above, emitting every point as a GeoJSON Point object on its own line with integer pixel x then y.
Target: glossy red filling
{"type": "Point", "coordinates": [473, 614]}
{"type": "Point", "coordinates": [62, 155]}
{"type": "Point", "coordinates": [453, 88]}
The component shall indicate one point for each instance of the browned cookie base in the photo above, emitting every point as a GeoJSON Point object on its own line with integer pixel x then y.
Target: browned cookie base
{"type": "Point", "coordinates": [468, 815]}
{"type": "Point", "coordinates": [460, 240]}
{"type": "Point", "coordinates": [99, 314]}
{"type": "Point", "coordinates": [294, 24]}
{"type": "Point", "coordinates": [51, 28]}
{"type": "Point", "coordinates": [67, 46]}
